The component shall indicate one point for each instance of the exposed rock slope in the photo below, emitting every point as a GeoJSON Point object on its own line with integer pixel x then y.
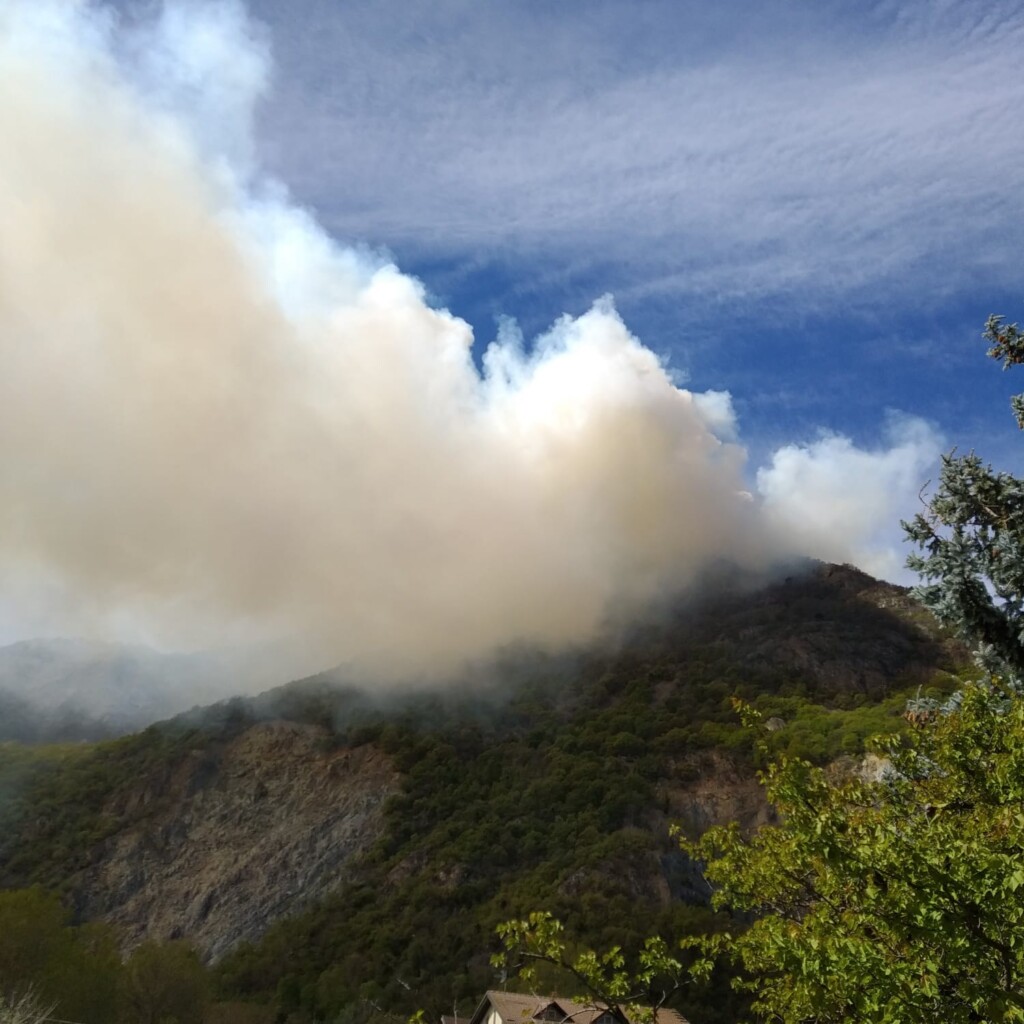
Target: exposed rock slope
{"type": "Point", "coordinates": [224, 844]}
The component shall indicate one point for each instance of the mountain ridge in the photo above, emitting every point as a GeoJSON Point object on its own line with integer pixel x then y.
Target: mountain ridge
{"type": "Point", "coordinates": [310, 839]}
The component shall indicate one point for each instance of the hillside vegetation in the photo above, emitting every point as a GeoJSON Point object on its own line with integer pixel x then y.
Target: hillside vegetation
{"type": "Point", "coordinates": [534, 781]}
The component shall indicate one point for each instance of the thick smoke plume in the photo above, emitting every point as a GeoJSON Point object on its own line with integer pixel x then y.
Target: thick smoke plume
{"type": "Point", "coordinates": [216, 423]}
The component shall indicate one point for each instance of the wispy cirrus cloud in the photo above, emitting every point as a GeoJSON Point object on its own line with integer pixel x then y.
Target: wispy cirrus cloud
{"type": "Point", "coordinates": [754, 151]}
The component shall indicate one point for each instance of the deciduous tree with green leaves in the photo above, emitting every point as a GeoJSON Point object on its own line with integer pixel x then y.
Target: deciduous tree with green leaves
{"type": "Point", "coordinates": [634, 990]}
{"type": "Point", "coordinates": [902, 898]}
{"type": "Point", "coordinates": [73, 970]}
{"type": "Point", "coordinates": [164, 983]}
{"type": "Point", "coordinates": [895, 899]}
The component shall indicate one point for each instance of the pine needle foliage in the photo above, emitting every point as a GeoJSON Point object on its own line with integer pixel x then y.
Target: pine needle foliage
{"type": "Point", "coordinates": [970, 538]}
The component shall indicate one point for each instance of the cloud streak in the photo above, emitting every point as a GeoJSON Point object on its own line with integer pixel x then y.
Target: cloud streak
{"type": "Point", "coordinates": [827, 154]}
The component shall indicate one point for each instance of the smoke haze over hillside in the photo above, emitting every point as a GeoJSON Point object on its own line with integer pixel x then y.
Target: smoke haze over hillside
{"type": "Point", "coordinates": [217, 423]}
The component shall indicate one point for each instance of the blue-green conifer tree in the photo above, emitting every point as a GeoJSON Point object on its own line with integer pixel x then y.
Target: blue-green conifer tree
{"type": "Point", "coordinates": [971, 543]}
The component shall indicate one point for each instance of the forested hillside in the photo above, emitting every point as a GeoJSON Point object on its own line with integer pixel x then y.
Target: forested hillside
{"type": "Point", "coordinates": [534, 781]}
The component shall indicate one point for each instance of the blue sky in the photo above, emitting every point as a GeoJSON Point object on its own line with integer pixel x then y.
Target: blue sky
{"type": "Point", "coordinates": [812, 205]}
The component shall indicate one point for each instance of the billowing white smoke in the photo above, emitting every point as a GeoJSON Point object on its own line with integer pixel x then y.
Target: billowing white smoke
{"type": "Point", "coordinates": [217, 423]}
{"type": "Point", "coordinates": [841, 499]}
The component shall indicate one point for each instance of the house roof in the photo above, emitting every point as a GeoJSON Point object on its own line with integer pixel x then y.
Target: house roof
{"type": "Point", "coordinates": [524, 1008]}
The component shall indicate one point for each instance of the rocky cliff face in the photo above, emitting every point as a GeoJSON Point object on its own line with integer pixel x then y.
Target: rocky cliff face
{"type": "Point", "coordinates": [226, 842]}
{"type": "Point", "coordinates": [720, 793]}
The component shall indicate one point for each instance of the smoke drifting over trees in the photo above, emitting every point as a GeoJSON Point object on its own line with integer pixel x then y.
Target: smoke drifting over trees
{"type": "Point", "coordinates": [217, 423]}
